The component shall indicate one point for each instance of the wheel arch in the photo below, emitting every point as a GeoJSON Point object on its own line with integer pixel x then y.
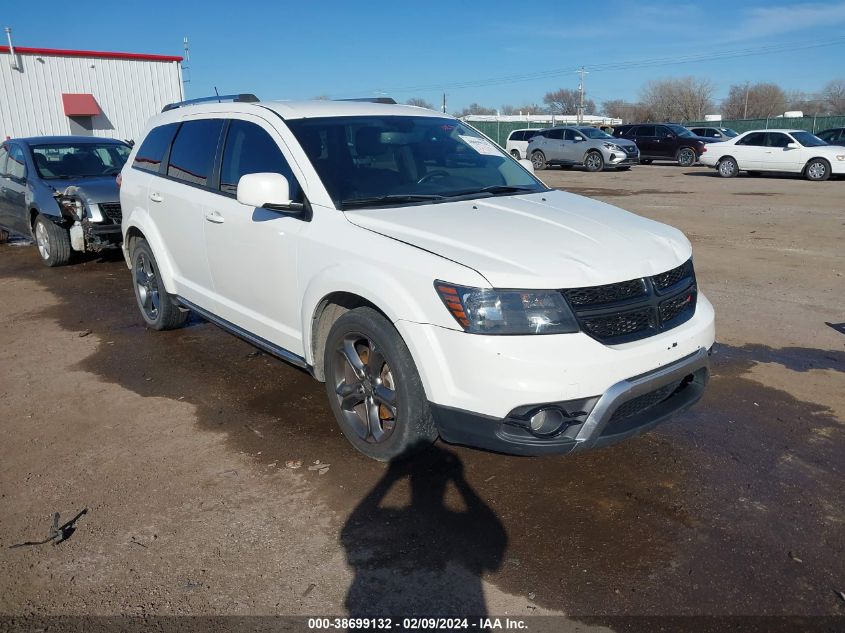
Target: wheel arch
{"type": "Point", "coordinates": [140, 227]}
{"type": "Point", "coordinates": [810, 160]}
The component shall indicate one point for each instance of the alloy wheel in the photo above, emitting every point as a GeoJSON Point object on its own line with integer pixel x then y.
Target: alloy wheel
{"type": "Point", "coordinates": [727, 168]}
{"type": "Point", "coordinates": [365, 388]}
{"type": "Point", "coordinates": [146, 284]}
{"type": "Point", "coordinates": [686, 158]}
{"type": "Point", "coordinates": [42, 240]}
{"type": "Point", "coordinates": [816, 170]}
{"type": "Point", "coordinates": [593, 161]}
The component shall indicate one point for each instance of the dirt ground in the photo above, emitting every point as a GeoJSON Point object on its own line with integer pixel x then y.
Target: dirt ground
{"type": "Point", "coordinates": [176, 445]}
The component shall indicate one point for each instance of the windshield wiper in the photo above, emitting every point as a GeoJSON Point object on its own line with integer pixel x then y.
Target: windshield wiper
{"type": "Point", "coordinates": [375, 201]}
{"type": "Point", "coordinates": [494, 190]}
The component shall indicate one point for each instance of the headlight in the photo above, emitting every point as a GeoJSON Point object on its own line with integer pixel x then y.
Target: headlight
{"type": "Point", "coordinates": [74, 206]}
{"type": "Point", "coordinates": [840, 157]}
{"type": "Point", "coordinates": [611, 146]}
{"type": "Point", "coordinates": [490, 311]}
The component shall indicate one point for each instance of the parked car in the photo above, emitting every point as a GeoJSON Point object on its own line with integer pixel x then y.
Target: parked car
{"type": "Point", "coordinates": [794, 151]}
{"type": "Point", "coordinates": [587, 146]}
{"type": "Point", "coordinates": [834, 136]}
{"type": "Point", "coordinates": [658, 141]}
{"type": "Point", "coordinates": [716, 133]}
{"type": "Point", "coordinates": [517, 142]}
{"type": "Point", "coordinates": [428, 278]}
{"type": "Point", "coordinates": [61, 191]}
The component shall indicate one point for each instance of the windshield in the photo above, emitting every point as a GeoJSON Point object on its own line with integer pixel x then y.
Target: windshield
{"type": "Point", "coordinates": [808, 140]}
{"type": "Point", "coordinates": [389, 160]}
{"type": "Point", "coordinates": [79, 160]}
{"type": "Point", "coordinates": [728, 132]}
{"type": "Point", "coordinates": [593, 132]}
{"type": "Point", "coordinates": [680, 131]}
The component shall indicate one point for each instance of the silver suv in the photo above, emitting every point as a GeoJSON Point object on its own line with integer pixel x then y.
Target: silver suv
{"type": "Point", "coordinates": [587, 146]}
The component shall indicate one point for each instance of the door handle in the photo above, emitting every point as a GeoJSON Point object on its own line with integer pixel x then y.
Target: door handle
{"type": "Point", "coordinates": [214, 217]}
{"type": "Point", "coordinates": [156, 197]}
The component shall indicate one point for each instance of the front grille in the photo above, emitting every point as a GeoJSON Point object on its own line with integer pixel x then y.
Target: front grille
{"type": "Point", "coordinates": [112, 211]}
{"type": "Point", "coordinates": [637, 308]}
{"type": "Point", "coordinates": [631, 149]}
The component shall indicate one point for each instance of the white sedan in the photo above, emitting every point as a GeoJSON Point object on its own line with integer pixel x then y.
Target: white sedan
{"type": "Point", "coordinates": [795, 151]}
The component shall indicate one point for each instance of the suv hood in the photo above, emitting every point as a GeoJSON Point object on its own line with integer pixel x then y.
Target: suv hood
{"type": "Point", "coordinates": [543, 240]}
{"type": "Point", "coordinates": [98, 189]}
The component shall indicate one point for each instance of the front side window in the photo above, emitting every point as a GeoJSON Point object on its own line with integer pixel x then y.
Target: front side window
{"type": "Point", "coordinates": [569, 135]}
{"type": "Point", "coordinates": [808, 140]}
{"type": "Point", "coordinates": [194, 148]}
{"type": "Point", "coordinates": [250, 150]}
{"type": "Point", "coordinates": [16, 165]}
{"type": "Point", "coordinates": [382, 160]}
{"type": "Point", "coordinates": [154, 147]}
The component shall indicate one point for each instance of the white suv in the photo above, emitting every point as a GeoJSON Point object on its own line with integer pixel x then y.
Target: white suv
{"type": "Point", "coordinates": [429, 279]}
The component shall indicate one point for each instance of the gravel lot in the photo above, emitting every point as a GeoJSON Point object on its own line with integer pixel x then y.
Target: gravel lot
{"type": "Point", "coordinates": [178, 445]}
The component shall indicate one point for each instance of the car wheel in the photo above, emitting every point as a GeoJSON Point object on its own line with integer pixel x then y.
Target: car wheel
{"type": "Point", "coordinates": [646, 161]}
{"type": "Point", "coordinates": [374, 388]}
{"type": "Point", "coordinates": [538, 159]}
{"type": "Point", "coordinates": [52, 240]}
{"type": "Point", "coordinates": [158, 308]}
{"type": "Point", "coordinates": [593, 161]}
{"type": "Point", "coordinates": [686, 157]}
{"type": "Point", "coordinates": [727, 167]}
{"type": "Point", "coordinates": [817, 169]}
{"type": "Point", "coordinates": [515, 154]}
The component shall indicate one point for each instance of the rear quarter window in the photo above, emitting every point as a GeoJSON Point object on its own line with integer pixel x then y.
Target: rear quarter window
{"type": "Point", "coordinates": [154, 147]}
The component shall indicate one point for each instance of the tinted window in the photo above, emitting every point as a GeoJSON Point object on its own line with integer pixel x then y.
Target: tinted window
{"type": "Point", "coordinates": [556, 134]}
{"type": "Point", "coordinates": [3, 154]}
{"type": "Point", "coordinates": [529, 134]}
{"type": "Point", "coordinates": [154, 147]}
{"type": "Point", "coordinates": [16, 165]}
{"type": "Point", "coordinates": [250, 150]}
{"type": "Point", "coordinates": [521, 135]}
{"type": "Point", "coordinates": [757, 139]}
{"type": "Point", "coordinates": [663, 132]}
{"type": "Point", "coordinates": [807, 140]}
{"type": "Point", "coordinates": [569, 135]}
{"type": "Point", "coordinates": [192, 156]}
{"type": "Point", "coordinates": [777, 139]}
{"type": "Point", "coordinates": [645, 130]}
{"type": "Point", "coordinates": [825, 136]}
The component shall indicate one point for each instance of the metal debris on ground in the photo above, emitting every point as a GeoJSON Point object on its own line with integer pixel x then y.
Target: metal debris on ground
{"type": "Point", "coordinates": [84, 333]}
{"type": "Point", "coordinates": [293, 463]}
{"type": "Point", "coordinates": [58, 533]}
{"type": "Point", "coordinates": [795, 558]}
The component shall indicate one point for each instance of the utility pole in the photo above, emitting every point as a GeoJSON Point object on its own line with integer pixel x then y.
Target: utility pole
{"type": "Point", "coordinates": [444, 103]}
{"type": "Point", "coordinates": [745, 110]}
{"type": "Point", "coordinates": [581, 72]}
{"type": "Point", "coordinates": [186, 66]}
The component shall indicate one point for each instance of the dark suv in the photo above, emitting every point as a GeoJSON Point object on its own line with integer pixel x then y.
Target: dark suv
{"type": "Point", "coordinates": [664, 141]}
{"type": "Point", "coordinates": [834, 136]}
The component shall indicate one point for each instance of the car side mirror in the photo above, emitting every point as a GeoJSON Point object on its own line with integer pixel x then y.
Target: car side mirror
{"type": "Point", "coordinates": [578, 139]}
{"type": "Point", "coordinates": [792, 146]}
{"type": "Point", "coordinates": [527, 164]}
{"type": "Point", "coordinates": [267, 190]}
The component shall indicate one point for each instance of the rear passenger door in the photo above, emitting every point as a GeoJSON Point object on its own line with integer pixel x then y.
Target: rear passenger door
{"type": "Point", "coordinates": [13, 191]}
{"type": "Point", "coordinates": [252, 251]}
{"type": "Point", "coordinates": [553, 145]}
{"type": "Point", "coordinates": [750, 152]}
{"type": "Point", "coordinates": [646, 139]}
{"type": "Point", "coordinates": [178, 195]}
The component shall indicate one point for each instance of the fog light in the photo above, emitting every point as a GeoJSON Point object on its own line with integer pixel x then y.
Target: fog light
{"type": "Point", "coordinates": [547, 421]}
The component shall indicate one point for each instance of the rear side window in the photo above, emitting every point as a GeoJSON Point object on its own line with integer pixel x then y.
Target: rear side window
{"type": "Point", "coordinates": [529, 134]}
{"type": "Point", "coordinates": [154, 147]}
{"type": "Point", "coordinates": [194, 148]}
{"type": "Point", "coordinates": [777, 139]}
{"type": "Point", "coordinates": [757, 139]}
{"type": "Point", "coordinates": [519, 135]}
{"type": "Point", "coordinates": [645, 130]}
{"type": "Point", "coordinates": [556, 134]}
{"type": "Point", "coordinates": [250, 150]}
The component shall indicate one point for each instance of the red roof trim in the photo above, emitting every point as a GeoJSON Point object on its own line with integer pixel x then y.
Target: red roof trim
{"type": "Point", "coordinates": [24, 50]}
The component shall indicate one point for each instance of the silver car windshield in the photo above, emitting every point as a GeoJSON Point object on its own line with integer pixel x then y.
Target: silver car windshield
{"type": "Point", "coordinates": [367, 161]}
{"type": "Point", "coordinates": [79, 160]}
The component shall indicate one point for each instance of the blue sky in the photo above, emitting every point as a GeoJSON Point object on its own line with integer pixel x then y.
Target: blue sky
{"type": "Point", "coordinates": [282, 50]}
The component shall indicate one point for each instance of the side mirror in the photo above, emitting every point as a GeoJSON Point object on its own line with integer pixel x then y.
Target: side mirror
{"type": "Point", "coordinates": [792, 146]}
{"type": "Point", "coordinates": [268, 190]}
{"type": "Point", "coordinates": [578, 139]}
{"type": "Point", "coordinates": [527, 164]}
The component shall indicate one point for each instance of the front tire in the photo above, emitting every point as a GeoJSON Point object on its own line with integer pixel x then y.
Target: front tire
{"type": "Point", "coordinates": [52, 240]}
{"type": "Point", "coordinates": [538, 159]}
{"type": "Point", "coordinates": [158, 308]}
{"type": "Point", "coordinates": [374, 389]}
{"type": "Point", "coordinates": [727, 167]}
{"type": "Point", "coordinates": [817, 170]}
{"type": "Point", "coordinates": [593, 161]}
{"type": "Point", "coordinates": [686, 157]}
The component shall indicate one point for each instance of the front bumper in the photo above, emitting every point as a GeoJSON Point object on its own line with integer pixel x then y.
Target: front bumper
{"type": "Point", "coordinates": [616, 159]}
{"type": "Point", "coordinates": [630, 407]}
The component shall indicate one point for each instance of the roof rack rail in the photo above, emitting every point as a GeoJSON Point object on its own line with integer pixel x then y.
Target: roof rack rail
{"type": "Point", "coordinates": [372, 100]}
{"type": "Point", "coordinates": [242, 98]}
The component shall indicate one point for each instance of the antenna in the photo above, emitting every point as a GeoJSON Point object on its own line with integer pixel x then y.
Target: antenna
{"type": "Point", "coordinates": [218, 94]}
{"type": "Point", "coordinates": [186, 65]}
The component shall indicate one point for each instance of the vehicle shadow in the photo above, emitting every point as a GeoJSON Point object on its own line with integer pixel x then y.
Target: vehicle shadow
{"type": "Point", "coordinates": [426, 555]}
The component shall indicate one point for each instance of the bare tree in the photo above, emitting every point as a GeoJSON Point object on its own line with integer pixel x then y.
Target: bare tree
{"type": "Point", "coordinates": [475, 108]}
{"type": "Point", "coordinates": [420, 103]}
{"type": "Point", "coordinates": [682, 99]}
{"type": "Point", "coordinates": [809, 104]}
{"type": "Point", "coordinates": [834, 95]}
{"type": "Point", "coordinates": [754, 101]}
{"type": "Point", "coordinates": [566, 101]}
{"type": "Point", "coordinates": [625, 110]}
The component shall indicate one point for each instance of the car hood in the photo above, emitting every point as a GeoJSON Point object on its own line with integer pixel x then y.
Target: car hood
{"type": "Point", "coordinates": [543, 240]}
{"type": "Point", "coordinates": [100, 189]}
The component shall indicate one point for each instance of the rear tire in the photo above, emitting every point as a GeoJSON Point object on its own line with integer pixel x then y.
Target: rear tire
{"type": "Point", "coordinates": [538, 159]}
{"type": "Point", "coordinates": [727, 167]}
{"type": "Point", "coordinates": [515, 153]}
{"type": "Point", "coordinates": [593, 161]}
{"type": "Point", "coordinates": [646, 161]}
{"type": "Point", "coordinates": [374, 389]}
{"type": "Point", "coordinates": [158, 308]}
{"type": "Point", "coordinates": [52, 240]}
{"type": "Point", "coordinates": [817, 170]}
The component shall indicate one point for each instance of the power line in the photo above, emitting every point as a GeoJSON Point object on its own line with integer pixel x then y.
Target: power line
{"type": "Point", "coordinates": [622, 65]}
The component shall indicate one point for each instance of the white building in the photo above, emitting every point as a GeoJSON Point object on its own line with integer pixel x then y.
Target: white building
{"type": "Point", "coordinates": [47, 91]}
{"type": "Point", "coordinates": [543, 119]}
